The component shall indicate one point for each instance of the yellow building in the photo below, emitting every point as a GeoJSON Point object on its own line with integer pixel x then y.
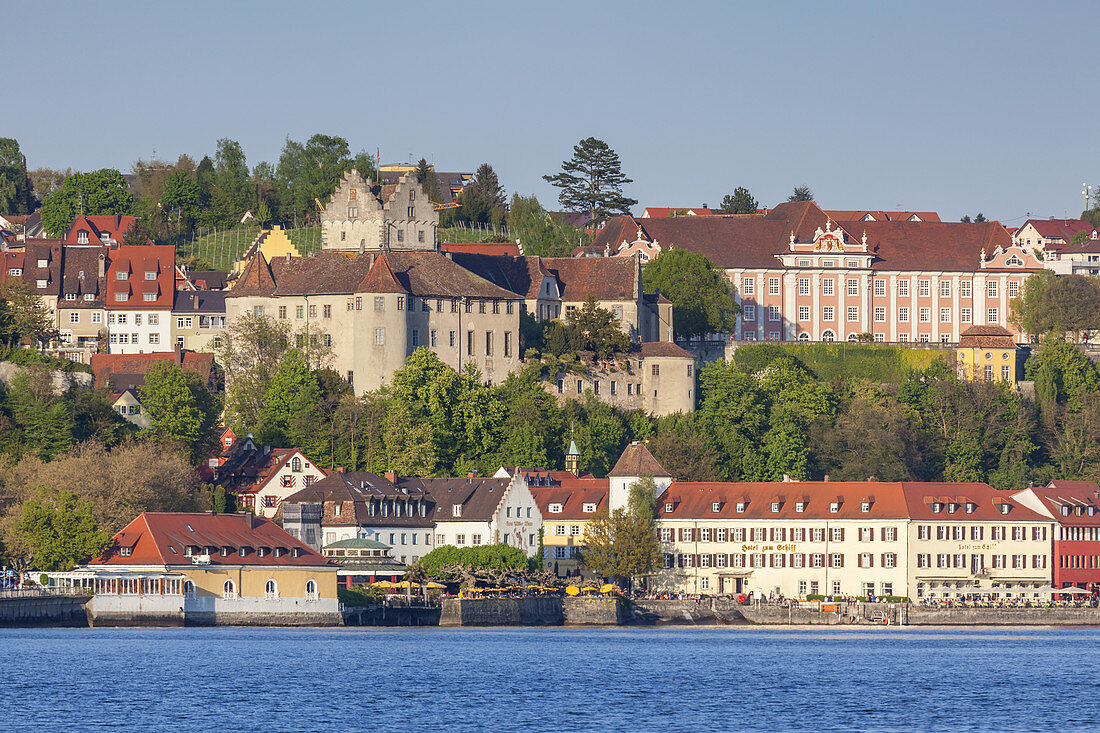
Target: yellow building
{"type": "Point", "coordinates": [987, 353]}
{"type": "Point", "coordinates": [273, 243]}
{"type": "Point", "coordinates": [212, 568]}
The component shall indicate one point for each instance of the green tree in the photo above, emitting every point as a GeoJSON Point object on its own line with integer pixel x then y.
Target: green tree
{"type": "Point", "coordinates": [181, 199]}
{"type": "Point", "coordinates": [740, 202]}
{"type": "Point", "coordinates": [623, 544]}
{"type": "Point", "coordinates": [409, 447]}
{"type": "Point", "coordinates": [179, 406]}
{"type": "Point", "coordinates": [96, 193]}
{"type": "Point", "coordinates": [1050, 304]}
{"type": "Point", "coordinates": [540, 233]}
{"type": "Point", "coordinates": [251, 350]}
{"type": "Point", "coordinates": [16, 194]}
{"type": "Point", "coordinates": [23, 316]}
{"type": "Point", "coordinates": [801, 193]}
{"type": "Point", "coordinates": [592, 181]}
{"type": "Point", "coordinates": [870, 438]}
{"type": "Point", "coordinates": [232, 192]}
{"type": "Point", "coordinates": [292, 395]}
{"type": "Point", "coordinates": [596, 329]}
{"type": "Point", "coordinates": [429, 182]}
{"type": "Point", "coordinates": [61, 531]}
{"type": "Point", "coordinates": [310, 172]}
{"type": "Point", "coordinates": [701, 296]}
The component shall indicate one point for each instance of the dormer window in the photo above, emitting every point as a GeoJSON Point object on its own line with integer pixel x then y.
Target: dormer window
{"type": "Point", "coordinates": [278, 551]}
{"type": "Point", "coordinates": [775, 507]}
{"type": "Point", "coordinates": [715, 506]}
{"type": "Point", "coordinates": [1078, 511]}
{"type": "Point", "coordinates": [261, 551]}
{"type": "Point", "coordinates": [240, 551]}
{"type": "Point", "coordinates": [89, 296]}
{"type": "Point", "coordinates": [295, 552]}
{"type": "Point", "coordinates": [951, 507]}
{"type": "Point", "coordinates": [70, 296]}
{"type": "Point", "coordinates": [1065, 510]}
{"type": "Point", "coordinates": [1005, 508]}
{"type": "Point", "coordinates": [834, 507]}
{"type": "Point", "coordinates": [937, 507]}
{"type": "Point", "coordinates": [456, 510]}
{"type": "Point", "coordinates": [588, 508]}
{"type": "Point", "coordinates": [225, 552]}
{"type": "Point", "coordinates": [337, 508]}
{"type": "Point", "coordinates": [1091, 510]}
{"type": "Point", "coordinates": [668, 506]}
{"type": "Point", "coordinates": [865, 506]}
{"type": "Point", "coordinates": [970, 507]}
{"type": "Point", "coordinates": [741, 507]}
{"type": "Point", "coordinates": [800, 506]}
{"type": "Point", "coordinates": [125, 551]}
{"type": "Point", "coordinates": [81, 238]}
{"type": "Point", "coordinates": [105, 237]}
{"type": "Point", "coordinates": [122, 275]}
{"type": "Point", "coordinates": [150, 275]}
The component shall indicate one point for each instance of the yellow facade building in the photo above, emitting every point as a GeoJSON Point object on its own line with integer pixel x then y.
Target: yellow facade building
{"type": "Point", "coordinates": [987, 353]}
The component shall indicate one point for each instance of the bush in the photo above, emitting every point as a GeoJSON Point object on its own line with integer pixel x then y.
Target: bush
{"type": "Point", "coordinates": [21, 356]}
{"type": "Point", "coordinates": [895, 599]}
{"type": "Point", "coordinates": [815, 597]}
{"type": "Point", "coordinates": [360, 595]}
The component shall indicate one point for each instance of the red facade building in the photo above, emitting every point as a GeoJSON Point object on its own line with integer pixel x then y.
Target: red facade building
{"type": "Point", "coordinates": [1075, 506]}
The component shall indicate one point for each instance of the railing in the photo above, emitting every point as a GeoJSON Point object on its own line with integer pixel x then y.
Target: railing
{"type": "Point", "coordinates": [42, 592]}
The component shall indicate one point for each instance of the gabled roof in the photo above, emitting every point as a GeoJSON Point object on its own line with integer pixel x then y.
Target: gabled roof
{"type": "Point", "coordinates": [256, 278]}
{"type": "Point", "coordinates": [80, 274]}
{"type": "Point", "coordinates": [573, 494]}
{"type": "Point", "coordinates": [114, 227]}
{"type": "Point", "coordinates": [431, 274]}
{"type": "Point", "coordinates": [753, 241]}
{"type": "Point", "coordinates": [161, 538]}
{"type": "Point", "coordinates": [1075, 495]}
{"type": "Point", "coordinates": [479, 497]}
{"type": "Point", "coordinates": [849, 215]}
{"type": "Point", "coordinates": [657, 212]}
{"type": "Point", "coordinates": [1089, 246]}
{"type": "Point", "coordinates": [208, 279]}
{"type": "Point", "coordinates": [650, 349]}
{"type": "Point", "coordinates": [1065, 229]}
{"type": "Point", "coordinates": [106, 365]}
{"type": "Point", "coordinates": [136, 261]}
{"type": "Point", "coordinates": [604, 278]}
{"type": "Point", "coordinates": [520, 275]}
{"type": "Point", "coordinates": [636, 460]}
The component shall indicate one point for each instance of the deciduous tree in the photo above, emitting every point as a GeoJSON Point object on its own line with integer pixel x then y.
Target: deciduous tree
{"type": "Point", "coordinates": [180, 408]}
{"type": "Point", "coordinates": [701, 296]}
{"type": "Point", "coordinates": [60, 531]}
{"type": "Point", "coordinates": [16, 194]}
{"type": "Point", "coordinates": [96, 193]}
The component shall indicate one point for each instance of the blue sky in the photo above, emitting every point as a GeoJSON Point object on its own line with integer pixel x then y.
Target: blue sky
{"type": "Point", "coordinates": [948, 106]}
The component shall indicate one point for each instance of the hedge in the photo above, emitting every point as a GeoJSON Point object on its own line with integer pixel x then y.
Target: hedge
{"type": "Point", "coordinates": [842, 360]}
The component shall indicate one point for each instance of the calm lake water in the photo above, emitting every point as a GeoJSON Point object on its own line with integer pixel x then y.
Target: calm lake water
{"type": "Point", "coordinates": [549, 679]}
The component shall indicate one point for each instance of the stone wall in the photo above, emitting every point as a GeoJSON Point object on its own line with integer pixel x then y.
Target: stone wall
{"type": "Point", "coordinates": [45, 610]}
{"type": "Point", "coordinates": [390, 616]}
{"type": "Point", "coordinates": [212, 611]}
{"type": "Point", "coordinates": [920, 616]}
{"type": "Point", "coordinates": [695, 613]}
{"type": "Point", "coordinates": [502, 612]}
{"type": "Point", "coordinates": [592, 611]}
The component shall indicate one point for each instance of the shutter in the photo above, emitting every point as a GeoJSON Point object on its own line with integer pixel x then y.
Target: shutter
{"type": "Point", "coordinates": [680, 534]}
{"type": "Point", "coordinates": [841, 555]}
{"type": "Point", "coordinates": [713, 564]}
{"type": "Point", "coordinates": [871, 533]}
{"type": "Point", "coordinates": [695, 561]}
{"type": "Point", "coordinates": [841, 534]}
{"type": "Point", "coordinates": [882, 560]}
{"type": "Point", "coordinates": [782, 534]}
{"type": "Point", "coordinates": [742, 560]}
{"type": "Point", "coordinates": [771, 534]}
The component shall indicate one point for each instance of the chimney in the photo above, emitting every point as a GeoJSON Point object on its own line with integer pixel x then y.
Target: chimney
{"type": "Point", "coordinates": [249, 518]}
{"type": "Point", "coordinates": [288, 258]}
{"type": "Point", "coordinates": [391, 476]}
{"type": "Point", "coordinates": [471, 474]}
{"type": "Point", "coordinates": [705, 206]}
{"type": "Point", "coordinates": [826, 477]}
{"type": "Point", "coordinates": [102, 265]}
{"type": "Point", "coordinates": [339, 469]}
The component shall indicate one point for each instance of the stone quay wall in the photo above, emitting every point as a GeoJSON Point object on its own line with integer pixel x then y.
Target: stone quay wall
{"type": "Point", "coordinates": [380, 615]}
{"type": "Point", "coordinates": [691, 613]}
{"type": "Point", "coordinates": [921, 616]}
{"type": "Point", "coordinates": [31, 609]}
{"type": "Point", "coordinates": [502, 612]}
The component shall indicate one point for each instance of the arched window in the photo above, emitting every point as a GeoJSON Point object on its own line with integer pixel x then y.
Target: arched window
{"type": "Point", "coordinates": [296, 464]}
{"type": "Point", "coordinates": [271, 590]}
{"type": "Point", "coordinates": [188, 589]}
{"type": "Point", "coordinates": [828, 335]}
{"type": "Point", "coordinates": [311, 590]}
{"type": "Point", "coordinates": [229, 590]}
{"type": "Point", "coordinates": [803, 336]}
{"type": "Point", "coordinates": [852, 338]}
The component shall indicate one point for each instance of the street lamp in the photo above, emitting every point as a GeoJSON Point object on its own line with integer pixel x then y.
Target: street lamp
{"type": "Point", "coordinates": [1086, 191]}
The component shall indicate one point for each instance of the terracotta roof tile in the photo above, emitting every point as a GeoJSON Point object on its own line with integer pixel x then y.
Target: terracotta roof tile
{"type": "Point", "coordinates": [636, 460]}
{"type": "Point", "coordinates": [483, 248]}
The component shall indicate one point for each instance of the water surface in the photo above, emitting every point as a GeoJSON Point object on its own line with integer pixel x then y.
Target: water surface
{"type": "Point", "coordinates": [550, 679]}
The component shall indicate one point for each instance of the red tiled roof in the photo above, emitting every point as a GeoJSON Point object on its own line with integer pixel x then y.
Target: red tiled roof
{"type": "Point", "coordinates": [1089, 246]}
{"type": "Point", "coordinates": [664, 349]}
{"type": "Point", "coordinates": [136, 261]}
{"type": "Point", "coordinates": [572, 494]}
{"type": "Point", "coordinates": [847, 215]}
{"type": "Point", "coordinates": [256, 278]}
{"type": "Point", "coordinates": [658, 212]}
{"type": "Point", "coordinates": [1063, 228]}
{"type": "Point", "coordinates": [115, 227]}
{"type": "Point", "coordinates": [888, 500]}
{"type": "Point", "coordinates": [981, 337]}
{"type": "Point", "coordinates": [483, 248]}
{"type": "Point", "coordinates": [753, 241]}
{"type": "Point", "coordinates": [161, 538]}
{"type": "Point", "coordinates": [636, 460]}
{"type": "Point", "coordinates": [1073, 494]}
{"type": "Point", "coordinates": [105, 365]}
{"type": "Point", "coordinates": [604, 278]}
